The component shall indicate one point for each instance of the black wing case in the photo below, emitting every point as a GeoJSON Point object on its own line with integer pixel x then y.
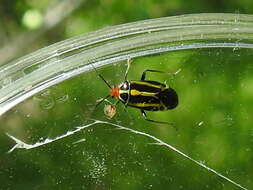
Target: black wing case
{"type": "Point", "coordinates": [149, 102]}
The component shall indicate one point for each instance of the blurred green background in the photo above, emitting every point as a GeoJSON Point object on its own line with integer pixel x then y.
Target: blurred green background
{"type": "Point", "coordinates": [41, 23]}
{"type": "Point", "coordinates": [213, 118]}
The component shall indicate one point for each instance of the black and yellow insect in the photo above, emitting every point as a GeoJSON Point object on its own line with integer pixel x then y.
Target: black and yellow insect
{"type": "Point", "coordinates": [146, 95]}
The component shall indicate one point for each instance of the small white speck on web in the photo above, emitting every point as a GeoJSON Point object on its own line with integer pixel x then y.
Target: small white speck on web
{"type": "Point", "coordinates": [97, 169]}
{"type": "Point", "coordinates": [79, 141]}
{"type": "Point", "coordinates": [200, 123]}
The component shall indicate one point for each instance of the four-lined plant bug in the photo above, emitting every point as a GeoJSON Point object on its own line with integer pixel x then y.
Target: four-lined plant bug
{"type": "Point", "coordinates": [146, 95]}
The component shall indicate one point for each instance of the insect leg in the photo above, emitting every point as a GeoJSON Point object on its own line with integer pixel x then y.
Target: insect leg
{"type": "Point", "coordinates": [128, 113]}
{"type": "Point", "coordinates": [154, 121]}
{"type": "Point", "coordinates": [129, 61]}
{"type": "Point", "coordinates": [102, 100]}
{"type": "Point", "coordinates": [143, 76]}
{"type": "Point", "coordinates": [118, 101]}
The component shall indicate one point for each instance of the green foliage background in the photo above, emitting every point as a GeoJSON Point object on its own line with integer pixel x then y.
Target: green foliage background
{"type": "Point", "coordinates": [215, 87]}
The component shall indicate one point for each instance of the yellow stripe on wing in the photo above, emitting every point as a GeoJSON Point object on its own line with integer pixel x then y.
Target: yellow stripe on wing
{"type": "Point", "coordinates": [149, 84]}
{"type": "Point", "coordinates": [142, 105]}
{"type": "Point", "coordinates": [141, 93]}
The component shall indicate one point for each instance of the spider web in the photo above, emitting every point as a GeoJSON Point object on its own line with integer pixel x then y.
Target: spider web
{"type": "Point", "coordinates": [22, 145]}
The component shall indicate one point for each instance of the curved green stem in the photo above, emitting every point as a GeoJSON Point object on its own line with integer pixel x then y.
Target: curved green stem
{"type": "Point", "coordinates": [30, 74]}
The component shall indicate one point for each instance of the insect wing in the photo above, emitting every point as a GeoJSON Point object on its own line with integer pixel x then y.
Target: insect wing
{"type": "Point", "coordinates": [168, 98]}
{"type": "Point", "coordinates": [143, 95]}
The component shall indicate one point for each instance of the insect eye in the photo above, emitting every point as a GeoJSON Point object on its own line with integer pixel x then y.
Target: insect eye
{"type": "Point", "coordinates": [124, 97]}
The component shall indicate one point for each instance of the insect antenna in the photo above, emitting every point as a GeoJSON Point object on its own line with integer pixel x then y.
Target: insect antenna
{"type": "Point", "coordinates": [101, 77]}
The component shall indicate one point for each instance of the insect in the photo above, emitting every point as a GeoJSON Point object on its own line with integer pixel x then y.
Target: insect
{"type": "Point", "coordinates": [146, 95]}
